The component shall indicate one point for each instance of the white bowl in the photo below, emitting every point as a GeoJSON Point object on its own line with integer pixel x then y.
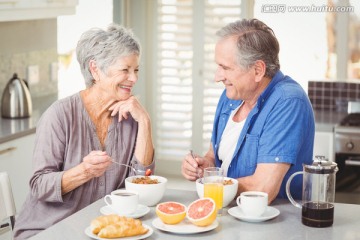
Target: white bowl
{"type": "Point", "coordinates": [149, 194]}
{"type": "Point", "coordinates": [229, 190]}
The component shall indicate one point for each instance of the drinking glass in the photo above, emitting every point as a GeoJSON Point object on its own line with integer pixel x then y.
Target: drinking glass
{"type": "Point", "coordinates": [213, 186]}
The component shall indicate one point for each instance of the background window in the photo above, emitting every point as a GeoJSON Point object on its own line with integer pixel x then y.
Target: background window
{"type": "Point", "coordinates": [354, 41]}
{"type": "Point", "coordinates": [303, 38]}
{"type": "Point", "coordinates": [186, 94]}
{"type": "Point", "coordinates": [319, 39]}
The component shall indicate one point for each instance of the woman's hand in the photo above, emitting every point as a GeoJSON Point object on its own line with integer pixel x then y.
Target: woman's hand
{"type": "Point", "coordinates": [132, 106]}
{"type": "Point", "coordinates": [93, 165]}
{"type": "Point", "coordinates": [144, 150]}
{"type": "Point", "coordinates": [96, 163]}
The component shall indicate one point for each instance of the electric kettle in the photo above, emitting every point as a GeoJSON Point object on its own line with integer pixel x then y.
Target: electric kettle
{"type": "Point", "coordinates": [318, 194]}
{"type": "Point", "coordinates": [16, 99]}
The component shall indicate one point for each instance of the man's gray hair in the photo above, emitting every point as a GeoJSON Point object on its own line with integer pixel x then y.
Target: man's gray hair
{"type": "Point", "coordinates": [105, 47]}
{"type": "Point", "coordinates": [255, 41]}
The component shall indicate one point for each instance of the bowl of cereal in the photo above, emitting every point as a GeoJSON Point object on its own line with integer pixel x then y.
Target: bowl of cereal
{"type": "Point", "coordinates": [230, 189]}
{"type": "Point", "coordinates": [150, 188]}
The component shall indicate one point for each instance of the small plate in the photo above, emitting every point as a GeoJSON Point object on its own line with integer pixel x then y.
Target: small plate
{"type": "Point", "coordinates": [270, 213]}
{"type": "Point", "coordinates": [90, 234]}
{"type": "Point", "coordinates": [184, 227]}
{"type": "Point", "coordinates": [141, 211]}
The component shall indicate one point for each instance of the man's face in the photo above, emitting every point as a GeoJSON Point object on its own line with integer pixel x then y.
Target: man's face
{"type": "Point", "coordinates": [239, 82]}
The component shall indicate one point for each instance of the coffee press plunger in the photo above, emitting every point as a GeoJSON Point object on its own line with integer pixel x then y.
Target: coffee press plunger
{"type": "Point", "coordinates": [318, 193]}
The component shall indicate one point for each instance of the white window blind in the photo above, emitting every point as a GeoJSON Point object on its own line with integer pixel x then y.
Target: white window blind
{"type": "Point", "coordinates": [186, 94]}
{"type": "Point", "coordinates": [217, 14]}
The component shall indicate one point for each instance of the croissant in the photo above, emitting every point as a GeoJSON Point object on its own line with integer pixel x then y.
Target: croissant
{"type": "Point", "coordinates": [114, 226]}
{"type": "Point", "coordinates": [118, 230]}
{"type": "Point", "coordinates": [100, 222]}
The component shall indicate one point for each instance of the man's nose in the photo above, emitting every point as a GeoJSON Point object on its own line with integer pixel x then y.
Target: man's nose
{"type": "Point", "coordinates": [219, 75]}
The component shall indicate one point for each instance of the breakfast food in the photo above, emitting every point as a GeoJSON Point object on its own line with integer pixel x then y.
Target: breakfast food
{"type": "Point", "coordinates": [114, 226]}
{"type": "Point", "coordinates": [227, 182]}
{"type": "Point", "coordinates": [148, 172]}
{"type": "Point", "coordinates": [171, 212]}
{"type": "Point", "coordinates": [202, 212]}
{"type": "Point", "coordinates": [145, 180]}
{"type": "Point", "coordinates": [100, 222]}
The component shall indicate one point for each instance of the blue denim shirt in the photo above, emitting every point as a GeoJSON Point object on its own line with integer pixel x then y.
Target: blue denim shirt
{"type": "Point", "coordinates": [279, 129]}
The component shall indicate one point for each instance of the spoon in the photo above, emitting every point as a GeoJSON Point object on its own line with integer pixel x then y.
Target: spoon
{"type": "Point", "coordinates": [146, 173]}
{"type": "Point", "coordinates": [193, 156]}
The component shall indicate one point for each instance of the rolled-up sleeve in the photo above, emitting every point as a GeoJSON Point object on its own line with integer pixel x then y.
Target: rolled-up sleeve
{"type": "Point", "coordinates": [139, 166]}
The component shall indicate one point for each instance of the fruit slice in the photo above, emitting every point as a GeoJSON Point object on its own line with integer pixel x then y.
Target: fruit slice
{"type": "Point", "coordinates": [171, 212]}
{"type": "Point", "coordinates": [202, 212]}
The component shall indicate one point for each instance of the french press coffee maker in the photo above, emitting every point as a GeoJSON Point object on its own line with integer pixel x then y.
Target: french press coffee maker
{"type": "Point", "coordinates": [318, 193]}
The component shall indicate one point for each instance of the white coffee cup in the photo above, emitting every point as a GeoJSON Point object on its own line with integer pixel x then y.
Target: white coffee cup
{"type": "Point", "coordinates": [122, 201]}
{"type": "Point", "coordinates": [252, 203]}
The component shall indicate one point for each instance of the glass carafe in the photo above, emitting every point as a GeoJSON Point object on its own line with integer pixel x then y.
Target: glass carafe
{"type": "Point", "coordinates": [318, 193]}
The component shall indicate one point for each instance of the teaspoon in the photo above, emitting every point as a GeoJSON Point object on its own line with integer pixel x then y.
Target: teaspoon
{"type": "Point", "coordinates": [146, 173]}
{"type": "Point", "coordinates": [193, 156]}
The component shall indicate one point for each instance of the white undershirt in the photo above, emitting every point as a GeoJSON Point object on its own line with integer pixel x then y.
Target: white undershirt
{"type": "Point", "coordinates": [229, 140]}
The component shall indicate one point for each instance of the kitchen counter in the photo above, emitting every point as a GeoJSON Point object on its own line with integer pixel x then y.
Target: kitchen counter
{"type": "Point", "coordinates": [11, 129]}
{"type": "Point", "coordinates": [285, 226]}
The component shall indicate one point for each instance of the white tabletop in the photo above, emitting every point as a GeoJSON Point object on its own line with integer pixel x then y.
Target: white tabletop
{"type": "Point", "coordinates": [285, 226]}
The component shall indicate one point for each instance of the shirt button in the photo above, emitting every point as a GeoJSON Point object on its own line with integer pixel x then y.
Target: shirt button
{"type": "Point", "coordinates": [101, 183]}
{"type": "Point", "coordinates": [263, 100]}
{"type": "Point", "coordinates": [230, 104]}
{"type": "Point", "coordinates": [215, 145]}
{"type": "Point", "coordinates": [277, 159]}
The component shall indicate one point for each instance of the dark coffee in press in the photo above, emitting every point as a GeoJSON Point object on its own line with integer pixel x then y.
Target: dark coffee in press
{"type": "Point", "coordinates": [317, 214]}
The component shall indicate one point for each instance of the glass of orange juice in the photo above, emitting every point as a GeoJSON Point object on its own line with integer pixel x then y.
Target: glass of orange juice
{"type": "Point", "coordinates": [213, 186]}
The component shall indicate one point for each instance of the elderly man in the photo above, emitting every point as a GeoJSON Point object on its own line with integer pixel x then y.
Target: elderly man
{"type": "Point", "coordinates": [264, 124]}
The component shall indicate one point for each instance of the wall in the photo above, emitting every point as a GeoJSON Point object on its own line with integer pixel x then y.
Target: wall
{"type": "Point", "coordinates": [24, 43]}
{"type": "Point", "coordinates": [333, 96]}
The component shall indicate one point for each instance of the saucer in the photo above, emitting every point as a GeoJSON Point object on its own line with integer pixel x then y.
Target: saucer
{"type": "Point", "coordinates": [141, 211]}
{"type": "Point", "coordinates": [270, 213]}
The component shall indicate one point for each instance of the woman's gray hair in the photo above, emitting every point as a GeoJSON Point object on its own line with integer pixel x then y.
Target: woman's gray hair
{"type": "Point", "coordinates": [105, 47]}
{"type": "Point", "coordinates": [256, 41]}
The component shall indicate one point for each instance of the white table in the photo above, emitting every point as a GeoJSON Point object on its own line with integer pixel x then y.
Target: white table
{"type": "Point", "coordinates": [286, 226]}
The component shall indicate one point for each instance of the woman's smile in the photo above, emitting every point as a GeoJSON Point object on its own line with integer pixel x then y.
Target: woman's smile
{"type": "Point", "coordinates": [125, 88]}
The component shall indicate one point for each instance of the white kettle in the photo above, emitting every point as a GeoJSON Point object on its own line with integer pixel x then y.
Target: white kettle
{"type": "Point", "coordinates": [16, 99]}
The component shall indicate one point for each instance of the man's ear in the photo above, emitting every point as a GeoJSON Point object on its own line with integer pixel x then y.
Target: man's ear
{"type": "Point", "coordinates": [260, 69]}
{"type": "Point", "coordinates": [94, 70]}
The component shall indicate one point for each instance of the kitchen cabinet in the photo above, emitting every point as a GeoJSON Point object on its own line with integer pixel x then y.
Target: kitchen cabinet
{"type": "Point", "coordinates": [324, 145]}
{"type": "Point", "coordinates": [18, 10]}
{"type": "Point", "coordinates": [15, 159]}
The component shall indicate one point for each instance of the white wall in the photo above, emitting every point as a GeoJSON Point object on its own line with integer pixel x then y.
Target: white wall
{"type": "Point", "coordinates": [89, 14]}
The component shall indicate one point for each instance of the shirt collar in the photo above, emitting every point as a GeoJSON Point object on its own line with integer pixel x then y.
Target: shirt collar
{"type": "Point", "coordinates": [274, 81]}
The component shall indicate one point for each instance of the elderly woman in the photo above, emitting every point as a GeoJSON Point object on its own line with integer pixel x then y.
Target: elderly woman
{"type": "Point", "coordinates": [79, 138]}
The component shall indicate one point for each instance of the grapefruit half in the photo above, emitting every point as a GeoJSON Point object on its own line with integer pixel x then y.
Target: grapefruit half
{"type": "Point", "coordinates": [202, 212]}
{"type": "Point", "coordinates": [171, 212]}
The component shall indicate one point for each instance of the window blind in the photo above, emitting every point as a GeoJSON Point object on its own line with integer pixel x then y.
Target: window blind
{"type": "Point", "coordinates": [217, 14]}
{"type": "Point", "coordinates": [182, 93]}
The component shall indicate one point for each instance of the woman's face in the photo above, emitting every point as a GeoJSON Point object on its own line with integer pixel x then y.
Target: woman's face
{"type": "Point", "coordinates": [120, 78]}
